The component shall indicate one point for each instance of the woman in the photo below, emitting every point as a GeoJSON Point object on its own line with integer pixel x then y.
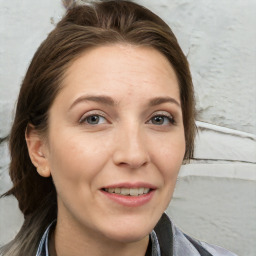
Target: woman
{"type": "Point", "coordinates": [104, 120]}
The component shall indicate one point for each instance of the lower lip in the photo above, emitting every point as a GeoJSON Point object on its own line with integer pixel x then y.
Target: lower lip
{"type": "Point", "coordinates": [130, 201]}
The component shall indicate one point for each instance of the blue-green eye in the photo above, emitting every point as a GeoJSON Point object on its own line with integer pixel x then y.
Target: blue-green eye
{"type": "Point", "coordinates": [162, 120]}
{"type": "Point", "coordinates": [93, 119]}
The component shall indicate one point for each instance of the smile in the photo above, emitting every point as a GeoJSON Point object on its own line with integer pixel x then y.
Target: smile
{"type": "Point", "coordinates": [128, 191]}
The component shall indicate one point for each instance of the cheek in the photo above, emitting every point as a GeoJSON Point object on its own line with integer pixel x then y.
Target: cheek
{"type": "Point", "coordinates": [169, 158]}
{"type": "Point", "coordinates": [76, 159]}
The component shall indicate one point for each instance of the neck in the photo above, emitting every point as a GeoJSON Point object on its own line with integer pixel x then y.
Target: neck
{"type": "Point", "coordinates": [66, 243]}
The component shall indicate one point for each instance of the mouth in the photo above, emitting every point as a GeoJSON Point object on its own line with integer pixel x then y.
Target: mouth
{"type": "Point", "coordinates": [128, 191]}
{"type": "Point", "coordinates": [130, 194]}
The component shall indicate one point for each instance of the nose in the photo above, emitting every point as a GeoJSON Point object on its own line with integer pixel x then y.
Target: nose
{"type": "Point", "coordinates": [131, 149]}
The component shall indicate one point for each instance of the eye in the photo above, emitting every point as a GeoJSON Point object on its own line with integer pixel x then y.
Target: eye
{"type": "Point", "coordinates": [160, 119]}
{"type": "Point", "coordinates": [93, 119]}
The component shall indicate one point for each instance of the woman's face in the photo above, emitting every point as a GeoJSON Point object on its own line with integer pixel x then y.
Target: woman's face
{"type": "Point", "coordinates": [116, 141]}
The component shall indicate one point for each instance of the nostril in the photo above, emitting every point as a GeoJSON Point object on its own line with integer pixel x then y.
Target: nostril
{"type": "Point", "coordinates": [132, 165]}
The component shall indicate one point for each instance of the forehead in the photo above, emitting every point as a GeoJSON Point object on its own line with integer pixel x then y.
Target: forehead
{"type": "Point", "coordinates": [121, 68]}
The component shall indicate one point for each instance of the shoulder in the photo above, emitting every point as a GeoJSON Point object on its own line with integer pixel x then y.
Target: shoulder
{"type": "Point", "coordinates": [217, 250]}
{"type": "Point", "coordinates": [183, 244]}
{"type": "Point", "coordinates": [203, 247]}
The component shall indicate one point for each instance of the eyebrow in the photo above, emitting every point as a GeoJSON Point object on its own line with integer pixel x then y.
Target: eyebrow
{"type": "Point", "coordinates": [106, 100]}
{"type": "Point", "coordinates": [161, 100]}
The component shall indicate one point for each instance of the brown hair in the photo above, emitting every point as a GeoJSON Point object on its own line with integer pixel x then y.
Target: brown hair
{"type": "Point", "coordinates": [81, 28]}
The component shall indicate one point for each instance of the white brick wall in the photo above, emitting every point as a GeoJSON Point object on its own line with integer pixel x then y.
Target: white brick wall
{"type": "Point", "coordinates": [215, 198]}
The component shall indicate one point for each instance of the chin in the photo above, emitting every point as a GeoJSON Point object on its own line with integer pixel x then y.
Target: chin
{"type": "Point", "coordinates": [133, 231]}
{"type": "Point", "coordinates": [132, 236]}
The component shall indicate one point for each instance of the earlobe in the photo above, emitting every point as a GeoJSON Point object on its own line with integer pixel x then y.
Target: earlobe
{"type": "Point", "coordinates": [44, 172]}
{"type": "Point", "coordinates": [37, 151]}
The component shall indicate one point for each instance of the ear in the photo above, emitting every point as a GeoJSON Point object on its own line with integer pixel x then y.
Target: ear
{"type": "Point", "coordinates": [37, 151]}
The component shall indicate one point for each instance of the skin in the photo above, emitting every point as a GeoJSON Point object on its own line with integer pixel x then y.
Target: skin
{"type": "Point", "coordinates": [126, 145]}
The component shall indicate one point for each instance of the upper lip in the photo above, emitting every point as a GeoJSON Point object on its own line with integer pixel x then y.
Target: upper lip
{"type": "Point", "coordinates": [131, 185]}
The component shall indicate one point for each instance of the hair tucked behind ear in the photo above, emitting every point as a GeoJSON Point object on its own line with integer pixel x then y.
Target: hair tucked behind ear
{"type": "Point", "coordinates": [82, 27]}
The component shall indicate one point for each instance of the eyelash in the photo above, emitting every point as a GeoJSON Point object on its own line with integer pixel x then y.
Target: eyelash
{"type": "Point", "coordinates": [169, 117]}
{"type": "Point", "coordinates": [87, 116]}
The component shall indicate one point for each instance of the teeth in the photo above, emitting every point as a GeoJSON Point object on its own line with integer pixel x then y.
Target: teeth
{"type": "Point", "coordinates": [146, 190]}
{"type": "Point", "coordinates": [125, 191]}
{"type": "Point", "coordinates": [111, 190]}
{"type": "Point", "coordinates": [128, 191]}
{"type": "Point", "coordinates": [117, 190]}
{"type": "Point", "coordinates": [141, 191]}
{"type": "Point", "coordinates": [134, 191]}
